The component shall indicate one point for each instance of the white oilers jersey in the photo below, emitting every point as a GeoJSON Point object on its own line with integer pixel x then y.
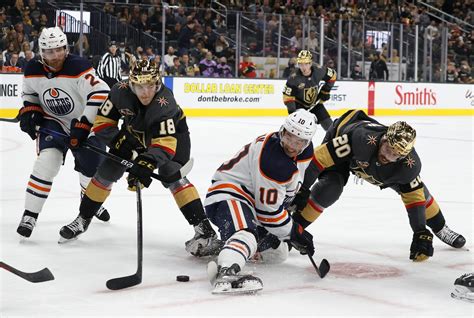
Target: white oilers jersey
{"type": "Point", "coordinates": [72, 92]}
{"type": "Point", "coordinates": [265, 178]}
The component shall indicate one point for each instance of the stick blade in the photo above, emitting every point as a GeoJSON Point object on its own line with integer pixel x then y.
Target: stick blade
{"type": "Point", "coordinates": [123, 282]}
{"type": "Point", "coordinates": [324, 268]}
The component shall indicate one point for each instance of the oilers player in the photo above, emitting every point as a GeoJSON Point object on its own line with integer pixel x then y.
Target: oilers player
{"type": "Point", "coordinates": [253, 190]}
{"type": "Point", "coordinates": [62, 93]}
{"type": "Point", "coordinates": [381, 155]}
{"type": "Point", "coordinates": [154, 126]}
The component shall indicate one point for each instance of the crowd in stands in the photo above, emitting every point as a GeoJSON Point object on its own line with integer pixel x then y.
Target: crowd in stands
{"type": "Point", "coordinates": [198, 41]}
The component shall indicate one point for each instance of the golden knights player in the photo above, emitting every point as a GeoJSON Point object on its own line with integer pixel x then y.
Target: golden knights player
{"type": "Point", "coordinates": [155, 127]}
{"type": "Point", "coordinates": [383, 156]}
{"type": "Point", "coordinates": [302, 88]}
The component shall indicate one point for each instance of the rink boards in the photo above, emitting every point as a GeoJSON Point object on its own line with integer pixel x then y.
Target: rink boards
{"type": "Point", "coordinates": [216, 97]}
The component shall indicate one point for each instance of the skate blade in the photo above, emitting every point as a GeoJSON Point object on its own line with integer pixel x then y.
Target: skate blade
{"type": "Point", "coordinates": [23, 239]}
{"type": "Point", "coordinates": [248, 288]}
{"type": "Point", "coordinates": [63, 240]}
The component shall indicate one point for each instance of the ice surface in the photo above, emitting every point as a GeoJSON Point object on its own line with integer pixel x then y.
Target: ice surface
{"type": "Point", "coordinates": [365, 236]}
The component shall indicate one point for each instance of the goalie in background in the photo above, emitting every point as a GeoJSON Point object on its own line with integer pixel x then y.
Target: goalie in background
{"type": "Point", "coordinates": [251, 192]}
{"type": "Point", "coordinates": [383, 156]}
{"type": "Point", "coordinates": [464, 288]}
{"type": "Point", "coordinates": [155, 128]}
{"type": "Point", "coordinates": [302, 89]}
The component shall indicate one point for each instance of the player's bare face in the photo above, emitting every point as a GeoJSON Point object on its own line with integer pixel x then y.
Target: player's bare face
{"type": "Point", "coordinates": [54, 58]}
{"type": "Point", "coordinates": [145, 92]}
{"type": "Point", "coordinates": [305, 68]}
{"type": "Point", "coordinates": [292, 145]}
{"type": "Point", "coordinates": [386, 153]}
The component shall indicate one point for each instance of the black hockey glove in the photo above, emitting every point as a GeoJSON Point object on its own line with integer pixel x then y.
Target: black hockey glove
{"type": "Point", "coordinates": [132, 183]}
{"type": "Point", "coordinates": [421, 246]}
{"type": "Point", "coordinates": [124, 143]}
{"type": "Point", "coordinates": [301, 239]}
{"type": "Point", "coordinates": [323, 96]}
{"type": "Point", "coordinates": [300, 200]}
{"type": "Point", "coordinates": [80, 130]}
{"type": "Point", "coordinates": [142, 169]}
{"type": "Point", "coordinates": [30, 117]}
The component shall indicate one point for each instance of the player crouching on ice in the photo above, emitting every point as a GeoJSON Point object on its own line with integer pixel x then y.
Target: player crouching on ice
{"type": "Point", "coordinates": [154, 126]}
{"type": "Point", "coordinates": [62, 93]}
{"type": "Point", "coordinates": [253, 190]}
{"type": "Point", "coordinates": [381, 155]}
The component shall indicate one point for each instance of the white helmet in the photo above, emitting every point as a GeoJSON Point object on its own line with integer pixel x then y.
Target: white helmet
{"type": "Point", "coordinates": [52, 38]}
{"type": "Point", "coordinates": [301, 123]}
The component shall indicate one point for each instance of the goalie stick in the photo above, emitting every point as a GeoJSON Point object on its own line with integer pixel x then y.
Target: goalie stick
{"type": "Point", "coordinates": [323, 268]}
{"type": "Point", "coordinates": [181, 173]}
{"type": "Point", "coordinates": [135, 279]}
{"type": "Point", "coordinates": [43, 275]}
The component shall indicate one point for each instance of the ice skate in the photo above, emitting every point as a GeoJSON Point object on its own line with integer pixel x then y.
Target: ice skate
{"type": "Point", "coordinates": [464, 288]}
{"type": "Point", "coordinates": [205, 241]}
{"type": "Point", "coordinates": [74, 229]}
{"type": "Point", "coordinates": [27, 224]}
{"type": "Point", "coordinates": [102, 214]}
{"type": "Point", "coordinates": [227, 280]}
{"type": "Point", "coordinates": [450, 237]}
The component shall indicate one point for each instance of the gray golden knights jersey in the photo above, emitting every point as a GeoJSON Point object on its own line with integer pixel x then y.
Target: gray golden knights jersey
{"type": "Point", "coordinates": [304, 90]}
{"type": "Point", "coordinates": [72, 92]}
{"type": "Point", "coordinates": [155, 125]}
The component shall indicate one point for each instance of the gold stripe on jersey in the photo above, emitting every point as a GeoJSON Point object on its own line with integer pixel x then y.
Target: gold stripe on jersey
{"type": "Point", "coordinates": [345, 120]}
{"type": "Point", "coordinates": [311, 212]}
{"type": "Point", "coordinates": [101, 122]}
{"type": "Point", "coordinates": [323, 157]}
{"type": "Point", "coordinates": [168, 143]}
{"type": "Point", "coordinates": [185, 195]}
{"type": "Point", "coordinates": [97, 192]}
{"type": "Point", "coordinates": [413, 198]}
{"type": "Point", "coordinates": [432, 208]}
{"type": "Point", "coordinates": [287, 99]}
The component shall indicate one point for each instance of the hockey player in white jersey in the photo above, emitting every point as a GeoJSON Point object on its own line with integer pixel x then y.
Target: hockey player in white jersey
{"type": "Point", "coordinates": [253, 190]}
{"type": "Point", "coordinates": [60, 93]}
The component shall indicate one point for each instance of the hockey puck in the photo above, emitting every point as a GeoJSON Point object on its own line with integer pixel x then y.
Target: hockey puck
{"type": "Point", "coordinates": [182, 278]}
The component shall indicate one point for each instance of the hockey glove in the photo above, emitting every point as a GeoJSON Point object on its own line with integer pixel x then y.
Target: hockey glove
{"type": "Point", "coordinates": [132, 183]}
{"type": "Point", "coordinates": [300, 200]}
{"type": "Point", "coordinates": [124, 143]}
{"type": "Point", "coordinates": [30, 117]}
{"type": "Point", "coordinates": [421, 246]}
{"type": "Point", "coordinates": [301, 240]}
{"type": "Point", "coordinates": [142, 169]}
{"type": "Point", "coordinates": [323, 96]}
{"type": "Point", "coordinates": [80, 129]}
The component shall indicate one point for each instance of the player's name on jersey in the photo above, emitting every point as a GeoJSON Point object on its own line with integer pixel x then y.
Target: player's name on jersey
{"type": "Point", "coordinates": [214, 88]}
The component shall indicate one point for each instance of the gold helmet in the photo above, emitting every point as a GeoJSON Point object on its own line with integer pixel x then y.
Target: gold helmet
{"type": "Point", "coordinates": [401, 137]}
{"type": "Point", "coordinates": [304, 56]}
{"type": "Point", "coordinates": [144, 71]}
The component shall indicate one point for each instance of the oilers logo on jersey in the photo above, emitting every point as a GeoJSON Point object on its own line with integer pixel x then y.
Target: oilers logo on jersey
{"type": "Point", "coordinates": [58, 101]}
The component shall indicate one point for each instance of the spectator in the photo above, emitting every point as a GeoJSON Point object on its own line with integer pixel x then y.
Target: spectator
{"type": "Point", "coordinates": [296, 41]}
{"type": "Point", "coordinates": [187, 33]}
{"type": "Point", "coordinates": [291, 68]}
{"type": "Point", "coordinates": [247, 68]}
{"type": "Point", "coordinates": [312, 42]}
{"type": "Point", "coordinates": [138, 52]}
{"type": "Point", "coordinates": [188, 68]}
{"type": "Point", "coordinates": [15, 63]}
{"type": "Point", "coordinates": [357, 73]}
{"type": "Point", "coordinates": [465, 75]}
{"type": "Point", "coordinates": [169, 57]}
{"type": "Point", "coordinates": [29, 55]}
{"type": "Point", "coordinates": [85, 46]}
{"type": "Point", "coordinates": [451, 73]}
{"type": "Point", "coordinates": [221, 46]}
{"type": "Point", "coordinates": [208, 66]}
{"type": "Point", "coordinates": [223, 69]}
{"type": "Point", "coordinates": [174, 69]}
{"type": "Point", "coordinates": [378, 68]}
{"type": "Point", "coordinates": [150, 54]}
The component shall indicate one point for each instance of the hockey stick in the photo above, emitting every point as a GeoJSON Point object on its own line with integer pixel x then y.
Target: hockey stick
{"type": "Point", "coordinates": [36, 277]}
{"type": "Point", "coordinates": [135, 279]}
{"type": "Point", "coordinates": [181, 173]}
{"type": "Point", "coordinates": [10, 120]}
{"type": "Point", "coordinates": [323, 268]}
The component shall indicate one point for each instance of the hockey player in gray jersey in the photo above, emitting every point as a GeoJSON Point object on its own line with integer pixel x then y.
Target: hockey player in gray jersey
{"type": "Point", "coordinates": [154, 126]}
{"type": "Point", "coordinates": [61, 93]}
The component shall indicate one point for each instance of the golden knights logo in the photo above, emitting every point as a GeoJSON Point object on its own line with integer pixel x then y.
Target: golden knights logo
{"type": "Point", "coordinates": [57, 101]}
{"type": "Point", "coordinates": [310, 95]}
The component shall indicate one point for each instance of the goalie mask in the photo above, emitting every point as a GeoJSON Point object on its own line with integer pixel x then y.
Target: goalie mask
{"type": "Point", "coordinates": [297, 132]}
{"type": "Point", "coordinates": [401, 138]}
